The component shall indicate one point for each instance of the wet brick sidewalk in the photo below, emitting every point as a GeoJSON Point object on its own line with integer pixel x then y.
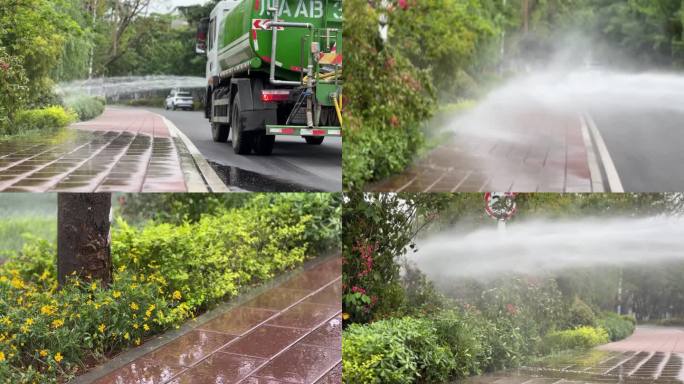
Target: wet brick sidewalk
{"type": "Point", "coordinates": [289, 334]}
{"type": "Point", "coordinates": [660, 339]}
{"type": "Point", "coordinates": [538, 152]}
{"type": "Point", "coordinates": [122, 150]}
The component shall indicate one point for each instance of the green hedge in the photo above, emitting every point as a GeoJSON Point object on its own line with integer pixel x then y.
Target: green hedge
{"type": "Point", "coordinates": [578, 338]}
{"type": "Point", "coordinates": [394, 351]}
{"type": "Point", "coordinates": [217, 255]}
{"type": "Point", "coordinates": [46, 119]}
{"type": "Point", "coordinates": [439, 348]}
{"type": "Point", "coordinates": [618, 327]}
{"type": "Point", "coordinates": [86, 107]}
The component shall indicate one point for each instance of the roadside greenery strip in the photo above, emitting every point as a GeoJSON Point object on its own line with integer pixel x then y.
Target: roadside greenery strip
{"type": "Point", "coordinates": [164, 274]}
{"type": "Point", "coordinates": [454, 51]}
{"type": "Point", "coordinates": [401, 327]}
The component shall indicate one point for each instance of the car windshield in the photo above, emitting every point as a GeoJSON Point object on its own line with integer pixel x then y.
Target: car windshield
{"type": "Point", "coordinates": [182, 94]}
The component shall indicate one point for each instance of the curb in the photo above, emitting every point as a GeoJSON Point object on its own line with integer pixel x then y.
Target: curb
{"type": "Point", "coordinates": [609, 170]}
{"type": "Point", "coordinates": [210, 180]}
{"type": "Point", "coordinates": [594, 167]}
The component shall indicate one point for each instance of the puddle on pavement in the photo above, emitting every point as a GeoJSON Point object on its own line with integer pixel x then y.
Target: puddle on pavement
{"type": "Point", "coordinates": [256, 182]}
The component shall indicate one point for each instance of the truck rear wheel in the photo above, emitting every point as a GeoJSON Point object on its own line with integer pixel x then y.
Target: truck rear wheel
{"type": "Point", "coordinates": [263, 144]}
{"type": "Point", "coordinates": [242, 145]}
{"type": "Point", "coordinates": [314, 140]}
{"type": "Point", "coordinates": [219, 132]}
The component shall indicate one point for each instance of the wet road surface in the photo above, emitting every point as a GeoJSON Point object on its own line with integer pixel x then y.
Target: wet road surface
{"type": "Point", "coordinates": [647, 147]}
{"type": "Point", "coordinates": [293, 166]}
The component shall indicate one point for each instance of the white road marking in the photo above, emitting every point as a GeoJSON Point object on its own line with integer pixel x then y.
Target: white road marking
{"type": "Point", "coordinates": [594, 168]}
{"type": "Point", "coordinates": [614, 182]}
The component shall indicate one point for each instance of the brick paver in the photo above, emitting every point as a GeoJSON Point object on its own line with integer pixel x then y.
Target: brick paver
{"type": "Point", "coordinates": [660, 339]}
{"type": "Point", "coordinates": [539, 150]}
{"type": "Point", "coordinates": [124, 150]}
{"type": "Point", "coordinates": [289, 334]}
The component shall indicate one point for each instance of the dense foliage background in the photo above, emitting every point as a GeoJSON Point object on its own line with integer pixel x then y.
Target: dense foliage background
{"type": "Point", "coordinates": [448, 51]}
{"type": "Point", "coordinates": [43, 42]}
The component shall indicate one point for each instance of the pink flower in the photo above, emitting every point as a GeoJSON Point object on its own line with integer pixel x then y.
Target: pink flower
{"type": "Point", "coordinates": [512, 310]}
{"type": "Point", "coordinates": [403, 4]}
{"type": "Point", "coordinates": [359, 290]}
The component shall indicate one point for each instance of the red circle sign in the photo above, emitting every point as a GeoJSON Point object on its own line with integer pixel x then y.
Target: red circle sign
{"type": "Point", "coordinates": [500, 205]}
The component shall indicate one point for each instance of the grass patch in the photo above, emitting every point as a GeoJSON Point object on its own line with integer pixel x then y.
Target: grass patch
{"type": "Point", "coordinates": [15, 231]}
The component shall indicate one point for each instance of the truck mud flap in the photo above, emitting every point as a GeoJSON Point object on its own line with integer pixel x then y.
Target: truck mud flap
{"type": "Point", "coordinates": [301, 130]}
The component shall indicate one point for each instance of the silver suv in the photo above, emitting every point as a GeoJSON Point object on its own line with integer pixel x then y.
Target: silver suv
{"type": "Point", "coordinates": [178, 99]}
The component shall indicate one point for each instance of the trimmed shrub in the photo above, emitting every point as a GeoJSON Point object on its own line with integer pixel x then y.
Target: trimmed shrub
{"type": "Point", "coordinates": [214, 257]}
{"type": "Point", "coordinates": [43, 119]}
{"type": "Point", "coordinates": [618, 327]}
{"type": "Point", "coordinates": [398, 351]}
{"type": "Point", "coordinates": [579, 338]}
{"type": "Point", "coordinates": [580, 314]}
{"type": "Point", "coordinates": [86, 107]}
{"type": "Point", "coordinates": [465, 339]}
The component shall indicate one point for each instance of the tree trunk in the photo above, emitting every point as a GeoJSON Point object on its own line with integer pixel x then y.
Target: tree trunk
{"type": "Point", "coordinates": [83, 239]}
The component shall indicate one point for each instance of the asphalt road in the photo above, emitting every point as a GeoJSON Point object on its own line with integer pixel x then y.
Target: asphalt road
{"type": "Point", "coordinates": [646, 146]}
{"type": "Point", "coordinates": [293, 166]}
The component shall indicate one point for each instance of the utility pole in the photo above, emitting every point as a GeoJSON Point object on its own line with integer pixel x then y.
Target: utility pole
{"type": "Point", "coordinates": [619, 293]}
{"type": "Point", "coordinates": [503, 32]}
{"type": "Point", "coordinates": [526, 15]}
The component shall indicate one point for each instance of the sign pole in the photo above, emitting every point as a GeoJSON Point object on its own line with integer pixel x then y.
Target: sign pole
{"type": "Point", "coordinates": [501, 207]}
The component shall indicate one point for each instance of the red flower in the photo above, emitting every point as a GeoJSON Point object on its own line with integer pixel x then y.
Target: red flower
{"type": "Point", "coordinates": [359, 290]}
{"type": "Point", "coordinates": [394, 121]}
{"type": "Point", "coordinates": [4, 66]}
{"type": "Point", "coordinates": [512, 310]}
{"type": "Point", "coordinates": [403, 4]}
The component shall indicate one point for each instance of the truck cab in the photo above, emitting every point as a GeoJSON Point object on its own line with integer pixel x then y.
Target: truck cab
{"type": "Point", "coordinates": [274, 67]}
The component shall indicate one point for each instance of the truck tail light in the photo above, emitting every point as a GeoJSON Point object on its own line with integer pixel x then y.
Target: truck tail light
{"type": "Point", "coordinates": [273, 95]}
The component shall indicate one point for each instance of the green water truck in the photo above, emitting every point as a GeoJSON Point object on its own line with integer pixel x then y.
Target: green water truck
{"type": "Point", "coordinates": [274, 67]}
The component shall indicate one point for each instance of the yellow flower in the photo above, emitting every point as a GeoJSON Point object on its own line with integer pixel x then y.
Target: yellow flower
{"type": "Point", "coordinates": [43, 352]}
{"type": "Point", "coordinates": [93, 286]}
{"type": "Point", "coordinates": [137, 341]}
{"type": "Point", "coordinates": [101, 328]}
{"type": "Point", "coordinates": [2, 356]}
{"type": "Point", "coordinates": [58, 357]}
{"type": "Point", "coordinates": [116, 294]}
{"type": "Point", "coordinates": [135, 325]}
{"type": "Point", "coordinates": [146, 327]}
{"type": "Point", "coordinates": [56, 323]}
{"type": "Point", "coordinates": [44, 276]}
{"type": "Point", "coordinates": [345, 316]}
{"type": "Point", "coordinates": [3, 279]}
{"type": "Point", "coordinates": [47, 310]}
{"type": "Point", "coordinates": [29, 321]}
{"type": "Point", "coordinates": [127, 336]}
{"type": "Point", "coordinates": [176, 295]}
{"type": "Point", "coordinates": [122, 268]}
{"type": "Point", "coordinates": [134, 306]}
{"type": "Point", "coordinates": [17, 283]}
